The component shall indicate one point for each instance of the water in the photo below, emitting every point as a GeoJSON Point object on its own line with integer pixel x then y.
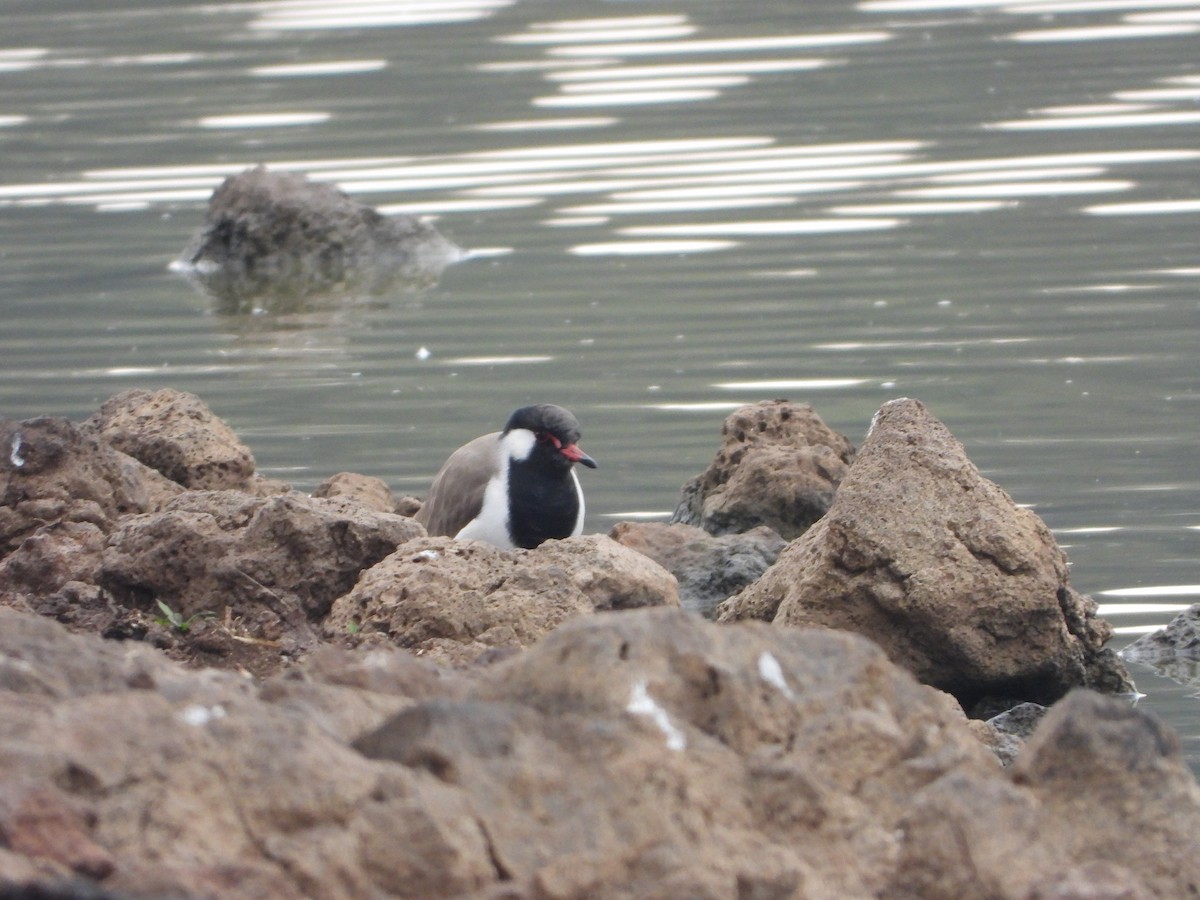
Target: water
{"type": "Point", "coordinates": [676, 209]}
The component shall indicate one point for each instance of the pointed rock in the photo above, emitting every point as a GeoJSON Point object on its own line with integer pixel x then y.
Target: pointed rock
{"type": "Point", "coordinates": [925, 556]}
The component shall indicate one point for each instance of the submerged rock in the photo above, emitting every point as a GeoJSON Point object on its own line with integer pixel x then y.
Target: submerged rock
{"type": "Point", "coordinates": [1174, 650]}
{"type": "Point", "coordinates": [277, 241]}
{"type": "Point", "coordinates": [925, 556]}
{"type": "Point", "coordinates": [779, 465]}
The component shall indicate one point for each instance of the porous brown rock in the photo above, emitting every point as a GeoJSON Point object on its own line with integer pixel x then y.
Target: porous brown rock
{"type": "Point", "coordinates": [1095, 762]}
{"type": "Point", "coordinates": [455, 601]}
{"type": "Point", "coordinates": [273, 239]}
{"type": "Point", "coordinates": [371, 492]}
{"type": "Point", "coordinates": [925, 556]}
{"type": "Point", "coordinates": [51, 471]}
{"type": "Point", "coordinates": [276, 563]}
{"type": "Point", "coordinates": [177, 435]}
{"type": "Point", "coordinates": [50, 558]}
{"type": "Point", "coordinates": [643, 753]}
{"type": "Point", "coordinates": [708, 568]}
{"type": "Point", "coordinates": [653, 754]}
{"type": "Point", "coordinates": [779, 465]}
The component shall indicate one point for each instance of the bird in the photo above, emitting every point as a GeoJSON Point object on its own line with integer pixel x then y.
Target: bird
{"type": "Point", "coordinates": [512, 488]}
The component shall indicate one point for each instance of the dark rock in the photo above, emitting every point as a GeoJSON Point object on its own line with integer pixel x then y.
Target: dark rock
{"type": "Point", "coordinates": [47, 560]}
{"type": "Point", "coordinates": [709, 569]}
{"type": "Point", "coordinates": [1020, 721]}
{"type": "Point", "coordinates": [779, 465]}
{"type": "Point", "coordinates": [1173, 651]}
{"type": "Point", "coordinates": [177, 435]}
{"type": "Point", "coordinates": [50, 471]}
{"type": "Point", "coordinates": [934, 562]}
{"type": "Point", "coordinates": [276, 240]}
{"type": "Point", "coordinates": [456, 600]}
{"type": "Point", "coordinates": [272, 566]}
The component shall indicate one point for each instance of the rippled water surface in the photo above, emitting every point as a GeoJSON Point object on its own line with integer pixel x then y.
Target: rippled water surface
{"type": "Point", "coordinates": [674, 209]}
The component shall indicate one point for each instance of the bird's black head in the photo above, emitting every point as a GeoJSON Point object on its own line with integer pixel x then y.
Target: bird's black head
{"type": "Point", "coordinates": [556, 432]}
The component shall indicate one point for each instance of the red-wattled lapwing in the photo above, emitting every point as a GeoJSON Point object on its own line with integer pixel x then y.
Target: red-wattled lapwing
{"type": "Point", "coordinates": [512, 488]}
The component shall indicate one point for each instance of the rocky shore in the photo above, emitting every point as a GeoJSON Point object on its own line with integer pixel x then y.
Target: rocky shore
{"type": "Point", "coordinates": [827, 678]}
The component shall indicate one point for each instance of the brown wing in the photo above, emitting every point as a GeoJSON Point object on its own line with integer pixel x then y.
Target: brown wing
{"type": "Point", "coordinates": [456, 495]}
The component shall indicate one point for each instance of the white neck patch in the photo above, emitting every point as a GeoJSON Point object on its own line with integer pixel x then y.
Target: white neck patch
{"type": "Point", "coordinates": [518, 444]}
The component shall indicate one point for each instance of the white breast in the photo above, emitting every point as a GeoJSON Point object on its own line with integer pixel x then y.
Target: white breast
{"type": "Point", "coordinates": [491, 524]}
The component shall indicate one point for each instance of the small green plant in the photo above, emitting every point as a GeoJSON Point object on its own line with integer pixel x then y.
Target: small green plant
{"type": "Point", "coordinates": [352, 627]}
{"type": "Point", "coordinates": [172, 619]}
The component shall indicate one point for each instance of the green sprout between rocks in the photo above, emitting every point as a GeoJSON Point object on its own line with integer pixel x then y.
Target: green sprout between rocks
{"type": "Point", "coordinates": [171, 619]}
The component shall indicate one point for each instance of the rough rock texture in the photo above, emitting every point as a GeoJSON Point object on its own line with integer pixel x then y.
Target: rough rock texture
{"type": "Point", "coordinates": [456, 601]}
{"type": "Point", "coordinates": [709, 569]}
{"type": "Point", "coordinates": [49, 559]}
{"type": "Point", "coordinates": [275, 238]}
{"type": "Point", "coordinates": [277, 564]}
{"type": "Point", "coordinates": [779, 465]}
{"type": "Point", "coordinates": [1171, 651]}
{"type": "Point", "coordinates": [177, 435]}
{"type": "Point", "coordinates": [371, 492]}
{"type": "Point", "coordinates": [640, 754]}
{"type": "Point", "coordinates": [922, 554]}
{"type": "Point", "coordinates": [1093, 761]}
{"type": "Point", "coordinates": [50, 471]}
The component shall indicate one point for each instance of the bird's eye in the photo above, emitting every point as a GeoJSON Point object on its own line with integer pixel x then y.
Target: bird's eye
{"type": "Point", "coordinates": [545, 437]}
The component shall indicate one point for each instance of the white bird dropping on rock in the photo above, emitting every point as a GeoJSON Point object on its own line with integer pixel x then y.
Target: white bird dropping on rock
{"type": "Point", "coordinates": [642, 704]}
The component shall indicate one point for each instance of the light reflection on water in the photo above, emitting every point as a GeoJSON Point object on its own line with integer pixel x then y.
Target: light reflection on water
{"type": "Point", "coordinates": [670, 214]}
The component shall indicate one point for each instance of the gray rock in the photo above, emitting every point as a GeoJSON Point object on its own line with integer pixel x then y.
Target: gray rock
{"type": "Point", "coordinates": [276, 241]}
{"type": "Point", "coordinates": [709, 569]}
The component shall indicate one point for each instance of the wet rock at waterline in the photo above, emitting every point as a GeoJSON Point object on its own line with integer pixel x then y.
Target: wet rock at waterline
{"type": "Point", "coordinates": [1174, 650]}
{"type": "Point", "coordinates": [644, 753]}
{"type": "Point", "coordinates": [278, 242]}
{"type": "Point", "coordinates": [925, 556]}
{"type": "Point", "coordinates": [779, 465]}
{"type": "Point", "coordinates": [709, 568]}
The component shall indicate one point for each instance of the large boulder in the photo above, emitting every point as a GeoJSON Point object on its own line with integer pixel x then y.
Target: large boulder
{"type": "Point", "coordinates": [51, 471]}
{"type": "Point", "coordinates": [708, 568]}
{"type": "Point", "coordinates": [177, 435]}
{"type": "Point", "coordinates": [779, 465]}
{"type": "Point", "coordinates": [925, 556]}
{"type": "Point", "coordinates": [641, 754]}
{"type": "Point", "coordinates": [457, 601]}
{"type": "Point", "coordinates": [275, 240]}
{"type": "Point", "coordinates": [273, 566]}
